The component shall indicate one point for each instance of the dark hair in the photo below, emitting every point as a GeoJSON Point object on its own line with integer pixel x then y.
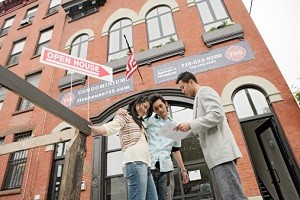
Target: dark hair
{"type": "Point", "coordinates": [153, 98]}
{"type": "Point", "coordinates": [185, 77]}
{"type": "Point", "coordinates": [132, 109]}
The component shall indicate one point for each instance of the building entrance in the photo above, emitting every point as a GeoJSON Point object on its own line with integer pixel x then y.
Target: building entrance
{"type": "Point", "coordinates": [272, 162]}
{"type": "Point", "coordinates": [107, 178]}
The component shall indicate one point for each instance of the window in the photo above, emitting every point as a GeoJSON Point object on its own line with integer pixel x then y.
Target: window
{"type": "Point", "coordinates": [117, 44]}
{"type": "Point", "coordinates": [79, 48]}
{"type": "Point", "coordinates": [16, 165]}
{"type": "Point", "coordinates": [213, 13]}
{"type": "Point", "coordinates": [45, 37]}
{"type": "Point", "coordinates": [160, 27]}
{"type": "Point", "coordinates": [2, 95]}
{"type": "Point", "coordinates": [57, 169]}
{"type": "Point", "coordinates": [250, 102]}
{"type": "Point", "coordinates": [33, 79]}
{"type": "Point", "coordinates": [54, 6]}
{"type": "Point", "coordinates": [1, 140]}
{"type": "Point", "coordinates": [7, 24]}
{"type": "Point", "coordinates": [29, 16]}
{"type": "Point", "coordinates": [16, 52]}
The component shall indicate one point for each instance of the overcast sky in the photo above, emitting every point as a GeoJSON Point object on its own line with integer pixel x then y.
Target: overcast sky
{"type": "Point", "coordinates": [278, 22]}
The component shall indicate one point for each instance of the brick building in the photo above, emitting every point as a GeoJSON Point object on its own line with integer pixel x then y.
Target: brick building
{"type": "Point", "coordinates": [216, 40]}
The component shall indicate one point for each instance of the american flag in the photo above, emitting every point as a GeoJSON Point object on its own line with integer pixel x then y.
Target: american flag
{"type": "Point", "coordinates": [131, 65]}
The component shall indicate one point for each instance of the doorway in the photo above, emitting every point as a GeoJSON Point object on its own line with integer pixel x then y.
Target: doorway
{"type": "Point", "coordinates": [272, 160]}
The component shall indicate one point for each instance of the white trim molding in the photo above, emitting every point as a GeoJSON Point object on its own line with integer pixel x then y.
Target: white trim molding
{"type": "Point", "coordinates": [89, 32]}
{"type": "Point", "coordinates": [272, 92]}
{"type": "Point", "coordinates": [117, 15]}
{"type": "Point", "coordinates": [190, 3]}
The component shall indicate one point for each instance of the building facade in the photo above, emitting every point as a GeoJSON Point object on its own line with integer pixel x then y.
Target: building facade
{"type": "Point", "coordinates": [214, 39]}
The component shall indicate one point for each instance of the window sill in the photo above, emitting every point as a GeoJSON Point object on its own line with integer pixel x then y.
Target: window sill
{"type": "Point", "coordinates": [49, 15]}
{"type": "Point", "coordinates": [10, 192]}
{"type": "Point", "coordinates": [12, 65]}
{"type": "Point", "coordinates": [222, 35]}
{"type": "Point", "coordinates": [149, 56]}
{"type": "Point", "coordinates": [35, 56]}
{"type": "Point", "coordinates": [23, 26]}
{"type": "Point", "coordinates": [22, 111]}
{"type": "Point", "coordinates": [2, 35]}
{"type": "Point", "coordinates": [76, 79]}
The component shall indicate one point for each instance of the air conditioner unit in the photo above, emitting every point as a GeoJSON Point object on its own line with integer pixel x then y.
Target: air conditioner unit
{"type": "Point", "coordinates": [25, 21]}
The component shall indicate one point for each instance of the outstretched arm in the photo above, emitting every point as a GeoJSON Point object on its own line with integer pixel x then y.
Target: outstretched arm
{"type": "Point", "coordinates": [98, 130]}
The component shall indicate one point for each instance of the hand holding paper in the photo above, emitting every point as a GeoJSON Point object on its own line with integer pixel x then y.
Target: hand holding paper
{"type": "Point", "coordinates": [168, 131]}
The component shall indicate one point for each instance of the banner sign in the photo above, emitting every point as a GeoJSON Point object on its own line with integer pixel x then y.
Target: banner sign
{"type": "Point", "coordinates": [68, 62]}
{"type": "Point", "coordinates": [213, 59]}
{"type": "Point", "coordinates": [96, 92]}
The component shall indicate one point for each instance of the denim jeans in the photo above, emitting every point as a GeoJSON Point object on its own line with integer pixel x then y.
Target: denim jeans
{"type": "Point", "coordinates": [139, 181]}
{"type": "Point", "coordinates": [164, 182]}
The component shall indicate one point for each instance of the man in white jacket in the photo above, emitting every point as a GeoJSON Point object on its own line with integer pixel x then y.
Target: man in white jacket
{"type": "Point", "coordinates": [216, 139]}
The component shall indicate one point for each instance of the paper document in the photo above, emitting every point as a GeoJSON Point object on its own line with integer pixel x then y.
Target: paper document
{"type": "Point", "coordinates": [168, 132]}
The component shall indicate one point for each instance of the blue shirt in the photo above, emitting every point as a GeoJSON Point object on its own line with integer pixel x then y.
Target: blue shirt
{"type": "Point", "coordinates": [160, 147]}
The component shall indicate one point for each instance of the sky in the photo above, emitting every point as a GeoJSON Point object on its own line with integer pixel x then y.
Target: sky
{"type": "Point", "coordinates": [278, 22]}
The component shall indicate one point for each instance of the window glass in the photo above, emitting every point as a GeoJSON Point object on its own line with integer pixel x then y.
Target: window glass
{"type": "Point", "coordinates": [114, 163]}
{"type": "Point", "coordinates": [53, 7]}
{"type": "Point", "coordinates": [1, 140]}
{"type": "Point", "coordinates": [259, 101]}
{"type": "Point", "coordinates": [153, 25]}
{"type": "Point", "coordinates": [113, 142]}
{"type": "Point", "coordinates": [114, 41]}
{"type": "Point", "coordinates": [213, 13]}
{"type": "Point", "coordinates": [160, 26]}
{"type": "Point", "coordinates": [200, 187]}
{"type": "Point", "coordinates": [205, 12]}
{"type": "Point", "coordinates": [242, 105]}
{"type": "Point", "coordinates": [2, 95]}
{"type": "Point", "coordinates": [220, 12]}
{"type": "Point", "coordinates": [117, 44]}
{"type": "Point", "coordinates": [116, 188]}
{"type": "Point", "coordinates": [250, 102]}
{"type": "Point", "coordinates": [31, 13]}
{"type": "Point", "coordinates": [167, 30]}
{"type": "Point", "coordinates": [7, 24]}
{"type": "Point", "coordinates": [33, 79]}
{"type": "Point", "coordinates": [16, 52]}
{"type": "Point", "coordinates": [44, 40]}
{"type": "Point", "coordinates": [16, 165]}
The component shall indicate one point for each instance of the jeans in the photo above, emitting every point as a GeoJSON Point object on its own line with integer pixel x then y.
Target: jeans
{"type": "Point", "coordinates": [139, 181]}
{"type": "Point", "coordinates": [164, 182]}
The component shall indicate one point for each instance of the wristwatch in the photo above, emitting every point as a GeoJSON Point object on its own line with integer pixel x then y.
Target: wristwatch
{"type": "Point", "coordinates": [183, 170]}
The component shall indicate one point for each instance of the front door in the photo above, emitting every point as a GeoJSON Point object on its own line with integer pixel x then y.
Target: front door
{"type": "Point", "coordinates": [269, 140]}
{"type": "Point", "coordinates": [275, 172]}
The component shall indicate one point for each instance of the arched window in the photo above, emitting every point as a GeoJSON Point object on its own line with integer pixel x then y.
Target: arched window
{"type": "Point", "coordinates": [79, 48]}
{"type": "Point", "coordinates": [250, 102]}
{"type": "Point", "coordinates": [117, 44]}
{"type": "Point", "coordinates": [160, 27]}
{"type": "Point", "coordinates": [213, 13]}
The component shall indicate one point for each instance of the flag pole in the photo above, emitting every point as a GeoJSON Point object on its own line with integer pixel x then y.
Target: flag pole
{"type": "Point", "coordinates": [130, 53]}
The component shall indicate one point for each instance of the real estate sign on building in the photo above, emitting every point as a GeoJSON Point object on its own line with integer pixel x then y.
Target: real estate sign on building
{"type": "Point", "coordinates": [79, 65]}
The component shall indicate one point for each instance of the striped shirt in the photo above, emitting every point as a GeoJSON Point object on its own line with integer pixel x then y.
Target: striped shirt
{"type": "Point", "coordinates": [133, 141]}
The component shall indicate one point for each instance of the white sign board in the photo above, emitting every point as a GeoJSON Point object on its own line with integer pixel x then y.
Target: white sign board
{"type": "Point", "coordinates": [68, 62]}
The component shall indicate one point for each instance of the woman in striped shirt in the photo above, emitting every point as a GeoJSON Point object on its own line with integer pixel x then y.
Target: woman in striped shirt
{"type": "Point", "coordinates": [136, 160]}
